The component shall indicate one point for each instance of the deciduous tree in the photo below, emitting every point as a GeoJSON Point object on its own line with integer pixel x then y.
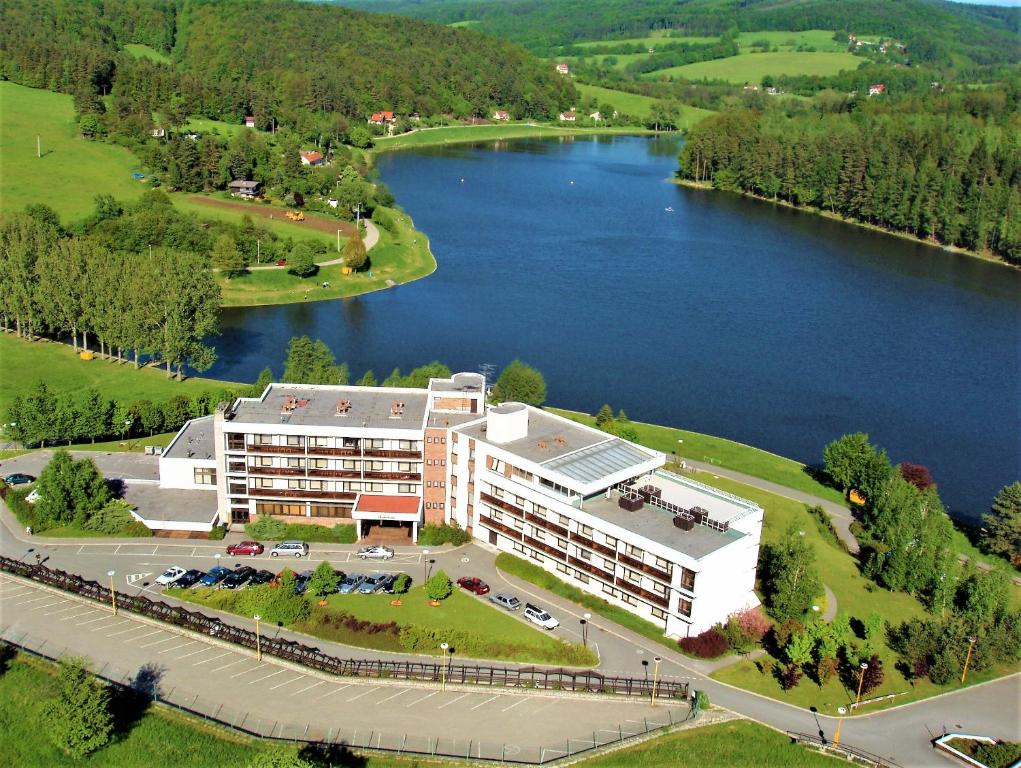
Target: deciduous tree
{"type": "Point", "coordinates": [79, 719]}
{"type": "Point", "coordinates": [520, 383]}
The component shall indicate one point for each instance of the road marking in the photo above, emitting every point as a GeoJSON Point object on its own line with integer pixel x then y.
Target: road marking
{"type": "Point", "coordinates": [338, 689]}
{"type": "Point", "coordinates": [485, 702]}
{"type": "Point", "coordinates": [365, 693]}
{"type": "Point", "coordinates": [177, 647]}
{"type": "Point", "coordinates": [160, 642]}
{"type": "Point", "coordinates": [225, 666]}
{"type": "Point", "coordinates": [394, 696]}
{"type": "Point", "coordinates": [125, 631]}
{"type": "Point", "coordinates": [117, 624]}
{"type": "Point", "coordinates": [205, 661]}
{"type": "Point", "coordinates": [256, 668]}
{"type": "Point", "coordinates": [522, 700]}
{"type": "Point", "coordinates": [63, 610]}
{"type": "Point", "coordinates": [93, 621]}
{"type": "Point", "coordinates": [193, 653]}
{"type": "Point", "coordinates": [453, 701]}
{"type": "Point", "coordinates": [287, 682]}
{"type": "Point", "coordinates": [309, 687]}
{"type": "Point", "coordinates": [266, 677]}
{"type": "Point", "coordinates": [427, 696]}
{"type": "Point", "coordinates": [78, 615]}
{"type": "Point", "coordinates": [9, 595]}
{"type": "Point", "coordinates": [147, 634]}
{"type": "Point", "coordinates": [36, 600]}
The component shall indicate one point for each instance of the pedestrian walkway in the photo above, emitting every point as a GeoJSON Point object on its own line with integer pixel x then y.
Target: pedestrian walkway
{"type": "Point", "coordinates": [370, 239]}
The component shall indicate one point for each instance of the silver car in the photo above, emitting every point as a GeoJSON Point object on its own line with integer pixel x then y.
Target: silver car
{"type": "Point", "coordinates": [290, 549]}
{"type": "Point", "coordinates": [505, 600]}
{"type": "Point", "coordinates": [377, 552]}
{"type": "Point", "coordinates": [373, 583]}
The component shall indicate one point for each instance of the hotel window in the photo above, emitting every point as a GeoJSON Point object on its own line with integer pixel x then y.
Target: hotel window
{"type": "Point", "coordinates": [296, 463]}
{"type": "Point", "coordinates": [351, 442]}
{"type": "Point", "coordinates": [263, 482]}
{"type": "Point", "coordinates": [352, 486]}
{"type": "Point", "coordinates": [320, 463]}
{"type": "Point", "coordinates": [236, 465]}
{"type": "Point", "coordinates": [496, 514]}
{"type": "Point", "coordinates": [262, 439]}
{"type": "Point", "coordinates": [518, 524]}
{"type": "Point", "coordinates": [609, 565]}
{"type": "Point", "coordinates": [405, 445]}
{"type": "Point", "coordinates": [537, 534]}
{"type": "Point", "coordinates": [295, 440]}
{"type": "Point", "coordinates": [295, 510]}
{"type": "Point", "coordinates": [635, 552]}
{"type": "Point", "coordinates": [522, 474]}
{"type": "Point", "coordinates": [628, 598]}
{"type": "Point", "coordinates": [585, 530]}
{"type": "Point", "coordinates": [235, 442]}
{"type": "Point", "coordinates": [563, 519]}
{"type": "Point", "coordinates": [264, 461]}
{"type": "Point", "coordinates": [405, 488]}
{"type": "Point", "coordinates": [633, 576]}
{"type": "Point", "coordinates": [375, 443]}
{"type": "Point", "coordinates": [428, 439]}
{"type": "Point", "coordinates": [296, 484]}
{"type": "Point", "coordinates": [684, 607]}
{"type": "Point", "coordinates": [498, 492]}
{"type": "Point", "coordinates": [662, 563]}
{"type": "Point", "coordinates": [583, 554]}
{"type": "Point", "coordinates": [687, 579]}
{"type": "Point", "coordinates": [659, 589]}
{"type": "Point", "coordinates": [519, 548]}
{"type": "Point", "coordinates": [659, 613]}
{"type": "Point", "coordinates": [453, 479]}
{"type": "Point", "coordinates": [519, 501]}
{"type": "Point", "coordinates": [319, 442]}
{"type": "Point", "coordinates": [443, 462]}
{"type": "Point", "coordinates": [404, 466]}
{"type": "Point", "coordinates": [331, 510]}
{"type": "Point", "coordinates": [349, 464]}
{"type": "Point", "coordinates": [582, 577]}
{"type": "Point", "coordinates": [428, 505]}
{"type": "Point", "coordinates": [316, 485]}
{"type": "Point", "coordinates": [374, 466]}
{"type": "Point", "coordinates": [607, 589]}
{"type": "Point", "coordinates": [537, 557]}
{"type": "Point", "coordinates": [562, 568]}
{"type": "Point", "coordinates": [205, 476]}
{"type": "Point", "coordinates": [562, 543]}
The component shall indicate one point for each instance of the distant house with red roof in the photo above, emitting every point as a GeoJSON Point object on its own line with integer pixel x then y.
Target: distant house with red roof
{"type": "Point", "coordinates": [381, 118]}
{"type": "Point", "coordinates": [501, 114]}
{"type": "Point", "coordinates": [568, 117]}
{"type": "Point", "coordinates": [249, 121]}
{"type": "Point", "coordinates": [877, 88]}
{"type": "Point", "coordinates": [563, 69]}
{"type": "Point", "coordinates": [311, 158]}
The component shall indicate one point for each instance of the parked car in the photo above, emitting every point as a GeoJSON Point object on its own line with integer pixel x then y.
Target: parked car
{"type": "Point", "coordinates": [169, 576]}
{"type": "Point", "coordinates": [190, 578]}
{"type": "Point", "coordinates": [261, 577]}
{"type": "Point", "coordinates": [350, 583]}
{"type": "Point", "coordinates": [216, 574]}
{"type": "Point", "coordinates": [246, 548]}
{"type": "Point", "coordinates": [238, 576]}
{"type": "Point", "coordinates": [372, 583]}
{"type": "Point", "coordinates": [473, 584]}
{"type": "Point", "coordinates": [19, 478]}
{"type": "Point", "coordinates": [388, 583]}
{"type": "Point", "coordinates": [34, 496]}
{"type": "Point", "coordinates": [292, 548]}
{"type": "Point", "coordinates": [539, 616]}
{"type": "Point", "coordinates": [301, 582]}
{"type": "Point", "coordinates": [505, 600]}
{"type": "Point", "coordinates": [281, 262]}
{"type": "Point", "coordinates": [377, 552]}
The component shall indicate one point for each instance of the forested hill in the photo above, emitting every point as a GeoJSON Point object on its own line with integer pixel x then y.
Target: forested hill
{"type": "Point", "coordinates": [235, 57]}
{"type": "Point", "coordinates": [936, 31]}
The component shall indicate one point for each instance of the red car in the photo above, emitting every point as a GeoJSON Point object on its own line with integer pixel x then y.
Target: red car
{"type": "Point", "coordinates": [281, 262]}
{"type": "Point", "coordinates": [473, 584]}
{"type": "Point", "coordinates": [245, 548]}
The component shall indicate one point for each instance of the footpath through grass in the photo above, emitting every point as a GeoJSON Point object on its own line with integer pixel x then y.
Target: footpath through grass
{"type": "Point", "coordinates": [724, 453]}
{"type": "Point", "coordinates": [25, 363]}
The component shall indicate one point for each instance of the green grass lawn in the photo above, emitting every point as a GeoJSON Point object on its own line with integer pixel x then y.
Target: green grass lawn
{"type": "Point", "coordinates": [820, 39]}
{"type": "Point", "coordinates": [402, 256]}
{"type": "Point", "coordinates": [72, 170]}
{"type": "Point", "coordinates": [140, 51]}
{"type": "Point", "coordinates": [26, 362]}
{"type": "Point", "coordinates": [636, 104]}
{"type": "Point", "coordinates": [724, 453]}
{"type": "Point", "coordinates": [724, 745]}
{"type": "Point", "coordinates": [752, 67]}
{"type": "Point", "coordinates": [463, 134]}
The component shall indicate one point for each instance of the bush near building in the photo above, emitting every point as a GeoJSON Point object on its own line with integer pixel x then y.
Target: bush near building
{"type": "Point", "coordinates": [433, 535]}
{"type": "Point", "coordinates": [706, 645]}
{"type": "Point", "coordinates": [272, 529]}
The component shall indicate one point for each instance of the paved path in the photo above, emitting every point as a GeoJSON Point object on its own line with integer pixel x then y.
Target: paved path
{"type": "Point", "coordinates": [839, 514]}
{"type": "Point", "coordinates": [831, 604]}
{"type": "Point", "coordinates": [371, 238]}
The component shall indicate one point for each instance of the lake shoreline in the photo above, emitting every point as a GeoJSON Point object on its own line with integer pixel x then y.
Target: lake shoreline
{"type": "Point", "coordinates": [453, 135]}
{"type": "Point", "coordinates": [705, 186]}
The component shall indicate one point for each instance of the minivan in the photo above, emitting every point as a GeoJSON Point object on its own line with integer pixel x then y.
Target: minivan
{"type": "Point", "coordinates": [290, 548]}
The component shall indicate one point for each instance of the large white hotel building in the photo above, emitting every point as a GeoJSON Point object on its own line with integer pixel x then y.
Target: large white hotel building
{"type": "Point", "coordinates": [598, 511]}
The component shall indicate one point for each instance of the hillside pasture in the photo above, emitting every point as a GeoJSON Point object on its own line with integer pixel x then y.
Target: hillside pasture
{"type": "Point", "coordinates": [636, 104]}
{"type": "Point", "coordinates": [145, 52]}
{"type": "Point", "coordinates": [752, 67]}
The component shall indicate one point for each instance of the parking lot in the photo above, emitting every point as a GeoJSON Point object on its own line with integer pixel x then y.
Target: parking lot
{"type": "Point", "coordinates": [173, 552]}
{"type": "Point", "coordinates": [263, 695]}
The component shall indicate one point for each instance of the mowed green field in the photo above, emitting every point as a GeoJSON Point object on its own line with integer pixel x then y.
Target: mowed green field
{"type": "Point", "coordinates": [752, 67]}
{"type": "Point", "coordinates": [145, 52]}
{"type": "Point", "coordinates": [635, 104]}
{"type": "Point", "coordinates": [72, 170]}
{"type": "Point", "coordinates": [25, 363]}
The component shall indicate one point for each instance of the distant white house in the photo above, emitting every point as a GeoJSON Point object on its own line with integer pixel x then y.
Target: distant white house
{"type": "Point", "coordinates": [501, 114]}
{"type": "Point", "coordinates": [876, 89]}
{"type": "Point", "coordinates": [249, 121]}
{"type": "Point", "coordinates": [158, 133]}
{"type": "Point", "coordinates": [596, 117]}
{"type": "Point", "coordinates": [312, 158]}
{"type": "Point", "coordinates": [568, 117]}
{"type": "Point", "coordinates": [563, 69]}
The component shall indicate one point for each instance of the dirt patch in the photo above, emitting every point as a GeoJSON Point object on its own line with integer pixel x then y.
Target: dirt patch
{"type": "Point", "coordinates": [267, 212]}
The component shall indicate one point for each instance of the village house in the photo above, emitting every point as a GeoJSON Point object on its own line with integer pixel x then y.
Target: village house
{"type": "Point", "coordinates": [876, 89]}
{"type": "Point", "coordinates": [249, 122]}
{"type": "Point", "coordinates": [381, 118]}
{"type": "Point", "coordinates": [563, 69]}
{"type": "Point", "coordinates": [501, 114]}
{"type": "Point", "coordinates": [312, 158]}
{"type": "Point", "coordinates": [568, 117]}
{"type": "Point", "coordinates": [246, 189]}
{"type": "Point", "coordinates": [158, 133]}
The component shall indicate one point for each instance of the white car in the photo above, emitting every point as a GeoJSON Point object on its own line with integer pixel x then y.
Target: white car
{"type": "Point", "coordinates": [375, 553]}
{"type": "Point", "coordinates": [33, 497]}
{"type": "Point", "coordinates": [539, 616]}
{"type": "Point", "coordinates": [169, 576]}
{"type": "Point", "coordinates": [290, 549]}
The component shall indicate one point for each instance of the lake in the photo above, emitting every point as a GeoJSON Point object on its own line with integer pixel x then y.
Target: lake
{"type": "Point", "coordinates": [723, 315]}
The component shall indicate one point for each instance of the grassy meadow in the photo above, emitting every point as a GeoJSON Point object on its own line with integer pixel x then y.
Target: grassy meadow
{"type": "Point", "coordinates": [25, 363]}
{"type": "Point", "coordinates": [636, 104]}
{"type": "Point", "coordinates": [752, 67]}
{"type": "Point", "coordinates": [140, 51]}
{"type": "Point", "coordinates": [71, 171]}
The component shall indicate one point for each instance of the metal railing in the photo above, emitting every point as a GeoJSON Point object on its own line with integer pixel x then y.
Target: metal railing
{"type": "Point", "coordinates": [843, 750]}
{"type": "Point", "coordinates": [537, 678]}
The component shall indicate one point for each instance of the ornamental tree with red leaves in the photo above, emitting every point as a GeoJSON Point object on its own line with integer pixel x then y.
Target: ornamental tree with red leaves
{"type": "Point", "coordinates": [917, 474]}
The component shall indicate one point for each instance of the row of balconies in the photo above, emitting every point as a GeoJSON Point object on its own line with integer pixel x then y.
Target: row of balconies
{"type": "Point", "coordinates": [300, 450]}
{"type": "Point", "coordinates": [346, 474]}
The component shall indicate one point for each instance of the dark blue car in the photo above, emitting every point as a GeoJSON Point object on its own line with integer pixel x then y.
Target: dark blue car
{"type": "Point", "coordinates": [216, 574]}
{"type": "Point", "coordinates": [190, 578]}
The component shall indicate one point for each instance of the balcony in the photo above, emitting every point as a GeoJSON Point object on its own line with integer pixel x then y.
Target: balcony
{"type": "Point", "coordinates": [638, 565]}
{"type": "Point", "coordinates": [345, 474]}
{"type": "Point", "coordinates": [501, 504]}
{"type": "Point", "coordinates": [378, 453]}
{"type": "Point", "coordinates": [296, 493]}
{"type": "Point", "coordinates": [282, 471]}
{"type": "Point", "coordinates": [323, 451]}
{"type": "Point", "coordinates": [411, 477]}
{"type": "Point", "coordinates": [542, 522]}
{"type": "Point", "coordinates": [585, 541]}
{"type": "Point", "coordinates": [291, 449]}
{"type": "Point", "coordinates": [634, 589]}
{"type": "Point", "coordinates": [559, 554]}
{"type": "Point", "coordinates": [504, 529]}
{"type": "Point", "coordinates": [599, 573]}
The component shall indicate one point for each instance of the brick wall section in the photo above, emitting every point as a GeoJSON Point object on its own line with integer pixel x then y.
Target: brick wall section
{"type": "Point", "coordinates": [434, 474]}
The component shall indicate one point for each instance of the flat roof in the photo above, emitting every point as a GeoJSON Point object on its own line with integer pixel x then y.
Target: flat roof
{"type": "Point", "coordinates": [318, 405]}
{"type": "Point", "coordinates": [657, 525]}
{"type": "Point", "coordinates": [549, 437]}
{"type": "Point", "coordinates": [402, 505]}
{"type": "Point", "coordinates": [195, 441]}
{"type": "Point", "coordinates": [459, 382]}
{"type": "Point", "coordinates": [684, 492]}
{"type": "Point", "coordinates": [173, 505]}
{"type": "Point", "coordinates": [449, 420]}
{"type": "Point", "coordinates": [600, 460]}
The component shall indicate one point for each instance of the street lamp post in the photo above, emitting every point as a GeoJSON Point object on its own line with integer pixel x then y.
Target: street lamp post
{"type": "Point", "coordinates": [857, 700]}
{"type": "Point", "coordinates": [971, 645]}
{"type": "Point", "coordinates": [258, 638]}
{"type": "Point", "coordinates": [113, 592]}
{"type": "Point", "coordinates": [446, 664]}
{"type": "Point", "coordinates": [425, 565]}
{"type": "Point", "coordinates": [584, 629]}
{"type": "Point", "coordinates": [655, 678]}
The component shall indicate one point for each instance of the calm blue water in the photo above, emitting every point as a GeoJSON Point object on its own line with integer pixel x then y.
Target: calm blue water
{"type": "Point", "coordinates": [726, 316]}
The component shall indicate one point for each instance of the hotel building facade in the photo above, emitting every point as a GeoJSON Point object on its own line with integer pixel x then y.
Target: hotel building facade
{"type": "Point", "coordinates": [599, 512]}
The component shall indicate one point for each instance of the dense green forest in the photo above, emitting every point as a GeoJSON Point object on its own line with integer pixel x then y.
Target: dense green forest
{"type": "Point", "coordinates": [934, 30]}
{"type": "Point", "coordinates": [308, 66]}
{"type": "Point", "coordinates": [945, 167]}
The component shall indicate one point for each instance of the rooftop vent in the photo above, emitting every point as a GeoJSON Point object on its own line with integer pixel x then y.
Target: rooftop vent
{"type": "Point", "coordinates": [630, 501]}
{"type": "Point", "coordinates": [397, 409]}
{"type": "Point", "coordinates": [543, 445]}
{"type": "Point", "coordinates": [560, 440]}
{"type": "Point", "coordinates": [343, 407]}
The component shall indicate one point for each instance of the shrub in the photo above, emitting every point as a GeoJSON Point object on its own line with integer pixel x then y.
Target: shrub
{"type": "Point", "coordinates": [79, 719]}
{"type": "Point", "coordinates": [825, 525]}
{"type": "Point", "coordinates": [943, 668]}
{"type": "Point", "coordinates": [782, 632]}
{"type": "Point", "coordinates": [707, 645]}
{"type": "Point", "coordinates": [874, 675]}
{"type": "Point", "coordinates": [111, 519]}
{"type": "Point", "coordinates": [790, 677]}
{"type": "Point", "coordinates": [266, 528]}
{"type": "Point", "coordinates": [324, 580]}
{"type": "Point", "coordinates": [825, 669]}
{"type": "Point", "coordinates": [433, 535]}
{"type": "Point", "coordinates": [439, 587]}
{"type": "Point", "coordinates": [217, 532]}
